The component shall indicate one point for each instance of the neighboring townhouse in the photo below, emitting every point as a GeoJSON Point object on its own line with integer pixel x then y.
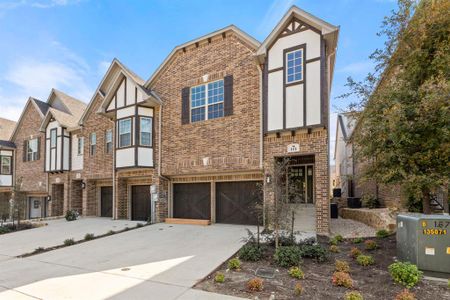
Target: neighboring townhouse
{"type": "Point", "coordinates": [120, 128]}
{"type": "Point", "coordinates": [7, 149]}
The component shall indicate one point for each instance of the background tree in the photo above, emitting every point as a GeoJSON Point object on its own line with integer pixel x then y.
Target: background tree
{"type": "Point", "coordinates": [404, 121]}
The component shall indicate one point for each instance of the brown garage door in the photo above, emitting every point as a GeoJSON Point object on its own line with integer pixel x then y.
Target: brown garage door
{"type": "Point", "coordinates": [236, 201]}
{"type": "Point", "coordinates": [106, 201]}
{"type": "Point", "coordinates": [140, 202]}
{"type": "Point", "coordinates": [192, 201]}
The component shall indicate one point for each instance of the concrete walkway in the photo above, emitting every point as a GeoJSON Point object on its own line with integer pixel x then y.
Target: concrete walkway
{"type": "Point", "coordinates": [54, 234]}
{"type": "Point", "coordinates": [160, 261]}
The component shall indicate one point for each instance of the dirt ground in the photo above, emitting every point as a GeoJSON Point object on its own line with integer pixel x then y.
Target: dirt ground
{"type": "Point", "coordinates": [373, 282]}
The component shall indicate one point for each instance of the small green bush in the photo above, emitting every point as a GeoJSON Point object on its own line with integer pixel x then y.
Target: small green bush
{"type": "Point", "coordinates": [358, 240]}
{"type": "Point", "coordinates": [139, 225]}
{"type": "Point", "coordinates": [298, 289]}
{"type": "Point", "coordinates": [371, 245]}
{"type": "Point", "coordinates": [370, 201]}
{"type": "Point", "coordinates": [365, 260]}
{"type": "Point", "coordinates": [339, 238]}
{"type": "Point", "coordinates": [288, 256]}
{"type": "Point", "coordinates": [39, 250]}
{"type": "Point", "coordinates": [315, 251]}
{"type": "Point", "coordinates": [382, 233]}
{"type": "Point", "coordinates": [353, 295]}
{"type": "Point", "coordinates": [251, 252]}
{"type": "Point", "coordinates": [342, 279]}
{"type": "Point", "coordinates": [334, 249]}
{"type": "Point", "coordinates": [255, 285]}
{"type": "Point", "coordinates": [71, 215]}
{"type": "Point", "coordinates": [355, 252]}
{"type": "Point", "coordinates": [219, 278]}
{"type": "Point", "coordinates": [333, 241]}
{"type": "Point", "coordinates": [234, 264]}
{"type": "Point", "coordinates": [69, 242]}
{"type": "Point", "coordinates": [405, 295]}
{"type": "Point", "coordinates": [448, 283]}
{"type": "Point", "coordinates": [405, 273]}
{"type": "Point", "coordinates": [296, 272]}
{"type": "Point", "coordinates": [341, 266]}
{"type": "Point", "coordinates": [89, 236]}
{"type": "Point", "coordinates": [111, 232]}
{"type": "Point", "coordinates": [4, 229]}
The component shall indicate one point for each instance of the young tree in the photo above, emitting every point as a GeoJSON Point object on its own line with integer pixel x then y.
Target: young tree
{"type": "Point", "coordinates": [403, 130]}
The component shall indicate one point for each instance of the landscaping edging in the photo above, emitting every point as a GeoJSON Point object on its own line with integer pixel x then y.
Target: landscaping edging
{"type": "Point", "coordinates": [378, 218]}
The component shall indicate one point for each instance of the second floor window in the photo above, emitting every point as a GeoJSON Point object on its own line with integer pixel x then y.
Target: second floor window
{"type": "Point", "coordinates": [145, 126]}
{"type": "Point", "coordinates": [124, 133]}
{"type": "Point", "coordinates": [32, 150]}
{"type": "Point", "coordinates": [294, 68]}
{"type": "Point", "coordinates": [207, 101]}
{"type": "Point", "coordinates": [5, 165]}
{"type": "Point", "coordinates": [108, 141]}
{"type": "Point", "coordinates": [93, 143]}
{"type": "Point", "coordinates": [80, 146]}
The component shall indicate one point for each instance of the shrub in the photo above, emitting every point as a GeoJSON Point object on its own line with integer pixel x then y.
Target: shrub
{"type": "Point", "coordinates": [382, 233]}
{"type": "Point", "coordinates": [355, 252]}
{"type": "Point", "coordinates": [334, 249]}
{"type": "Point", "coordinates": [353, 295]}
{"type": "Point", "coordinates": [405, 273]}
{"type": "Point", "coordinates": [315, 251]}
{"type": "Point", "coordinates": [71, 215]}
{"type": "Point", "coordinates": [358, 240]}
{"type": "Point", "coordinates": [296, 272]}
{"type": "Point", "coordinates": [298, 289]}
{"type": "Point", "coordinates": [341, 266]}
{"type": "Point", "coordinates": [4, 229]}
{"type": "Point", "coordinates": [39, 250]}
{"type": "Point", "coordinates": [339, 238]}
{"type": "Point", "coordinates": [333, 241]}
{"type": "Point", "coordinates": [251, 252]}
{"type": "Point", "coordinates": [370, 201]}
{"type": "Point", "coordinates": [342, 279]}
{"type": "Point", "coordinates": [371, 245]}
{"type": "Point", "coordinates": [405, 295]}
{"type": "Point", "coordinates": [284, 239]}
{"type": "Point", "coordinates": [89, 236]}
{"type": "Point", "coordinates": [288, 256]}
{"type": "Point", "coordinates": [255, 285]}
{"type": "Point", "coordinates": [110, 232]}
{"type": "Point", "coordinates": [448, 283]}
{"type": "Point", "coordinates": [219, 278]}
{"type": "Point", "coordinates": [365, 260]}
{"type": "Point", "coordinates": [69, 242]}
{"type": "Point", "coordinates": [139, 225]}
{"type": "Point", "coordinates": [234, 264]}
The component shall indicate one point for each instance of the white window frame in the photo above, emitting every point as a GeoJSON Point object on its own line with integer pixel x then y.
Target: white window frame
{"type": "Point", "coordinates": [8, 165]}
{"type": "Point", "coordinates": [92, 143]}
{"type": "Point", "coordinates": [33, 154]}
{"type": "Point", "coordinates": [108, 140]}
{"type": "Point", "coordinates": [302, 64]}
{"type": "Point", "coordinates": [80, 146]}
{"type": "Point", "coordinates": [150, 132]}
{"type": "Point", "coordinates": [206, 105]}
{"type": "Point", "coordinates": [119, 133]}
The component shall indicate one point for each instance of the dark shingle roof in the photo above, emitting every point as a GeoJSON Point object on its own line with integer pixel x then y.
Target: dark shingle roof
{"type": "Point", "coordinates": [42, 106]}
{"type": "Point", "coordinates": [7, 144]}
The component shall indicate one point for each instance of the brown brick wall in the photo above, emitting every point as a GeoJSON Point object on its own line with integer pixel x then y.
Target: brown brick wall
{"type": "Point", "coordinates": [231, 142]}
{"type": "Point", "coordinates": [315, 144]}
{"type": "Point", "coordinates": [76, 196]}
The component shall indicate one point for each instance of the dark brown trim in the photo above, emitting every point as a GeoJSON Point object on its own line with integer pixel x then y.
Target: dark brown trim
{"type": "Point", "coordinates": [276, 70]}
{"type": "Point", "coordinates": [296, 128]}
{"type": "Point", "coordinates": [314, 59]}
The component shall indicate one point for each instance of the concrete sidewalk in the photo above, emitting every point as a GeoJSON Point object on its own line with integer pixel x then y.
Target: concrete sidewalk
{"type": "Point", "coordinates": [26, 241]}
{"type": "Point", "coordinates": [160, 261]}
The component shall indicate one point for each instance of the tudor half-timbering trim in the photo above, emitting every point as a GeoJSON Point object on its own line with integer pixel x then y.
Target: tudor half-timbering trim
{"type": "Point", "coordinates": [57, 156]}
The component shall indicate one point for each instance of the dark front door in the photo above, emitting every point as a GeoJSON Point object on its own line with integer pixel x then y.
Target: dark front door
{"type": "Point", "coordinates": [192, 201]}
{"type": "Point", "coordinates": [301, 184]}
{"type": "Point", "coordinates": [140, 202]}
{"type": "Point", "coordinates": [238, 202]}
{"type": "Point", "coordinates": [106, 201]}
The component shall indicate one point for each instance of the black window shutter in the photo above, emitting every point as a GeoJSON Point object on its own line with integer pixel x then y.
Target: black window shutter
{"type": "Point", "coordinates": [25, 150]}
{"type": "Point", "coordinates": [228, 97]}
{"type": "Point", "coordinates": [38, 155]}
{"type": "Point", "coordinates": [185, 105]}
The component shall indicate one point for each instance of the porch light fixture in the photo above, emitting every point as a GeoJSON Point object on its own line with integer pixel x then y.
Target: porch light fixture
{"type": "Point", "coordinates": [268, 178]}
{"type": "Point", "coordinates": [83, 185]}
{"type": "Point", "coordinates": [49, 198]}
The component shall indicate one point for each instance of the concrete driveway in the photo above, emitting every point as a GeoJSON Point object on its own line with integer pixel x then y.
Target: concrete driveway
{"type": "Point", "coordinates": [160, 261]}
{"type": "Point", "coordinates": [54, 234]}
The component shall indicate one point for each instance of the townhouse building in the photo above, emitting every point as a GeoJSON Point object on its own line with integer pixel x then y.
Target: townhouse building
{"type": "Point", "coordinates": [198, 139]}
{"type": "Point", "coordinates": [7, 149]}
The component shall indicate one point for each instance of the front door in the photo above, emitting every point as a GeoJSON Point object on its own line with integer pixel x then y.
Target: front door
{"type": "Point", "coordinates": [106, 201]}
{"type": "Point", "coordinates": [300, 185]}
{"type": "Point", "coordinates": [36, 207]}
{"type": "Point", "coordinates": [140, 202]}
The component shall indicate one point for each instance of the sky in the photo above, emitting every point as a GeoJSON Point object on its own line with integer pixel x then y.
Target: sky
{"type": "Point", "coordinates": [69, 44]}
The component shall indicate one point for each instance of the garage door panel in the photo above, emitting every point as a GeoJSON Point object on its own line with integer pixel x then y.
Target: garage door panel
{"type": "Point", "coordinates": [236, 202]}
{"type": "Point", "coordinates": [106, 201]}
{"type": "Point", "coordinates": [192, 201]}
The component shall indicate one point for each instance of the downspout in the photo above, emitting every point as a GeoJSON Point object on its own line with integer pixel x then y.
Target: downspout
{"type": "Point", "coordinates": [261, 117]}
{"type": "Point", "coordinates": [114, 214]}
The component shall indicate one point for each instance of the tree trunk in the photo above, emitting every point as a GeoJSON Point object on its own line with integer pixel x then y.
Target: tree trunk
{"type": "Point", "coordinates": [426, 201]}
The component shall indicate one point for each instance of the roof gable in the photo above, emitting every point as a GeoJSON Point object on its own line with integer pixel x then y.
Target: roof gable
{"type": "Point", "coordinates": [6, 128]}
{"type": "Point", "coordinates": [40, 107]}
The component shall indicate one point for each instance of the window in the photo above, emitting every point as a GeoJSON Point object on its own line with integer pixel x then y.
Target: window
{"type": "Point", "coordinates": [294, 69]}
{"type": "Point", "coordinates": [32, 150]}
{"type": "Point", "coordinates": [93, 143]}
{"type": "Point", "coordinates": [108, 141]}
{"type": "Point", "coordinates": [124, 133]}
{"type": "Point", "coordinates": [145, 126]}
{"type": "Point", "coordinates": [53, 138]}
{"type": "Point", "coordinates": [5, 167]}
{"type": "Point", "coordinates": [207, 101]}
{"type": "Point", "coordinates": [80, 146]}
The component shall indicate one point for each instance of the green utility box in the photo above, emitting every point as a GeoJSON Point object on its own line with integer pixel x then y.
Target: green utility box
{"type": "Point", "coordinates": [424, 240]}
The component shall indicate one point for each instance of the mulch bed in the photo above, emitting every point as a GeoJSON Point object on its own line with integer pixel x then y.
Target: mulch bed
{"type": "Point", "coordinates": [373, 282]}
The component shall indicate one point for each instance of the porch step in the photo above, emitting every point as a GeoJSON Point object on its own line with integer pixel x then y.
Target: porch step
{"type": "Point", "coordinates": [188, 221]}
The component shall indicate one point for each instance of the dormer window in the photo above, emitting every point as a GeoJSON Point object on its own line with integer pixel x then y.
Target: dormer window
{"type": "Point", "coordinates": [294, 66]}
{"type": "Point", "coordinates": [125, 133]}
